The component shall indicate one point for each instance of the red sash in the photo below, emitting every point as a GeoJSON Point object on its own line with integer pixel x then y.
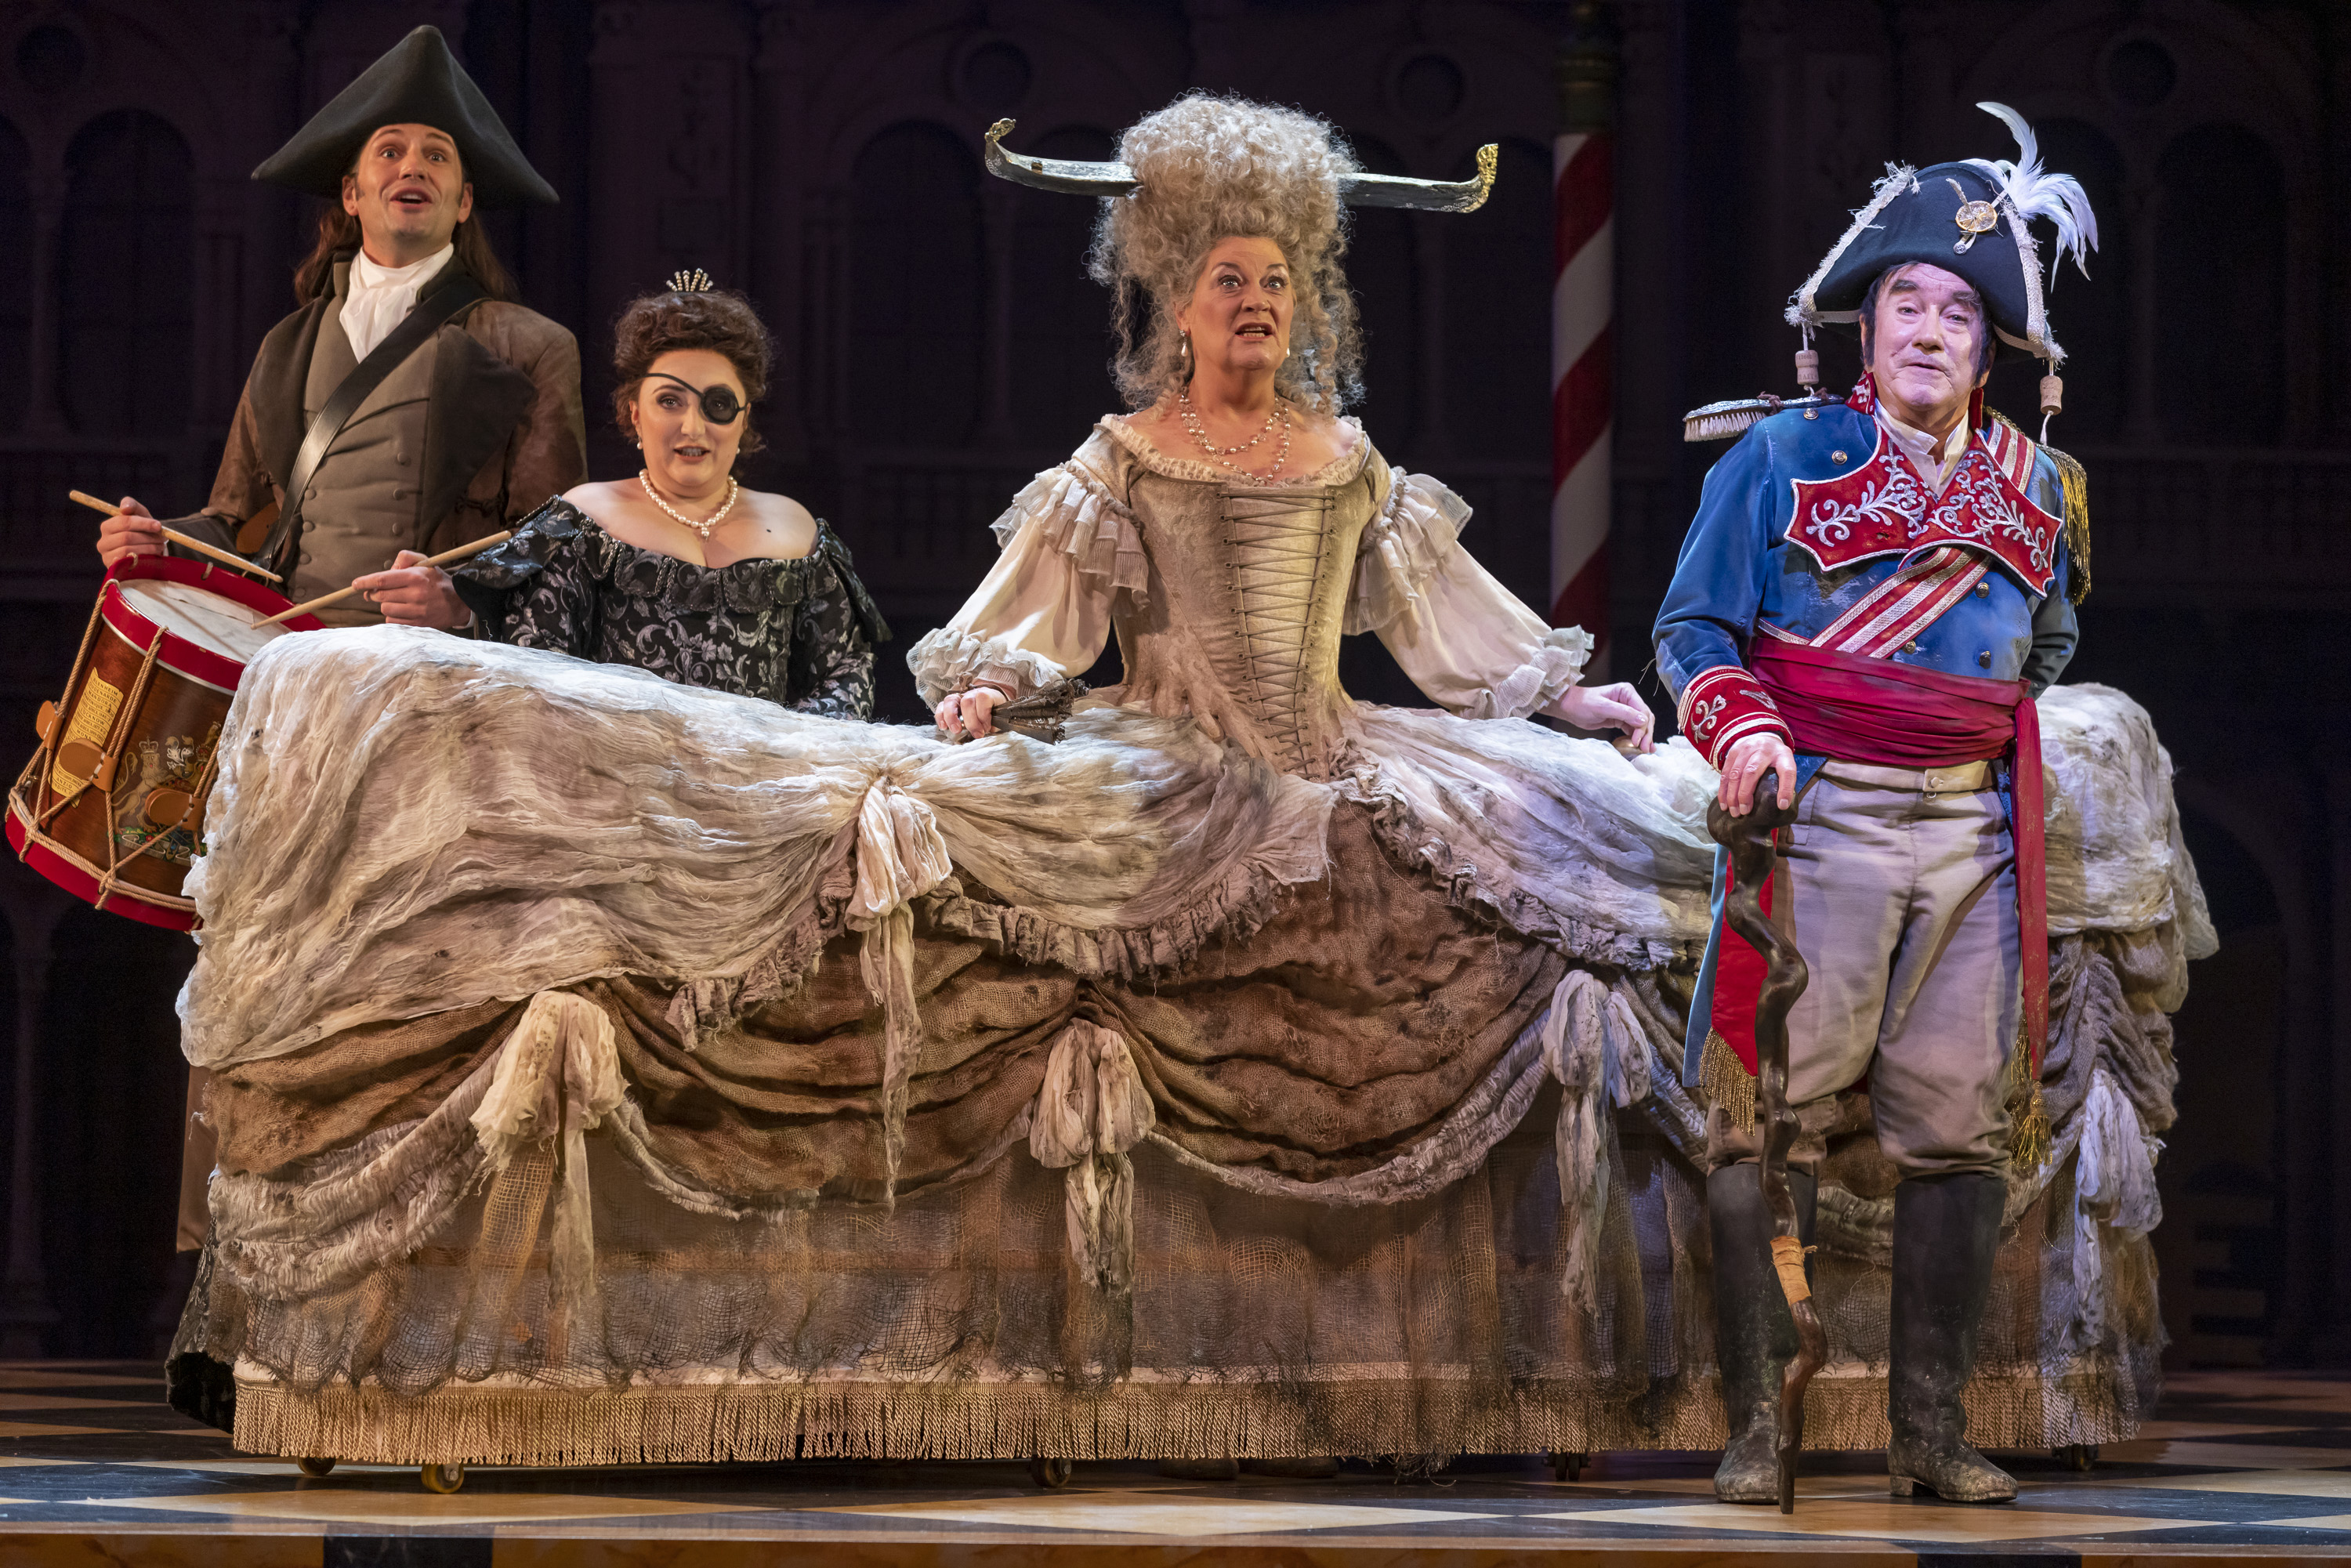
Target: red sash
{"type": "Point", "coordinates": [1852, 708]}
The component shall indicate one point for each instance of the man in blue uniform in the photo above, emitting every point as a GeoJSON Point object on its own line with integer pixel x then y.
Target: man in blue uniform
{"type": "Point", "coordinates": [1872, 593]}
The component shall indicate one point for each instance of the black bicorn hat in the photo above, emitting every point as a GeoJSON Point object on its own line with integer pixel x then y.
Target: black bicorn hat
{"type": "Point", "coordinates": [1973, 218]}
{"type": "Point", "coordinates": [417, 82]}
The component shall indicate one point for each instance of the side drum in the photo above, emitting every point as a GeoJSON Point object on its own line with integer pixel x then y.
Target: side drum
{"type": "Point", "coordinates": [111, 808]}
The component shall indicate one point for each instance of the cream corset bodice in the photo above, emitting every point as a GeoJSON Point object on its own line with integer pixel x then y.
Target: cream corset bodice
{"type": "Point", "coordinates": [1246, 601]}
{"type": "Point", "coordinates": [1230, 598]}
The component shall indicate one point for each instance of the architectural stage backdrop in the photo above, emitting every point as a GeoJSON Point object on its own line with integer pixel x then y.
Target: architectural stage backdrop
{"type": "Point", "coordinates": [940, 343]}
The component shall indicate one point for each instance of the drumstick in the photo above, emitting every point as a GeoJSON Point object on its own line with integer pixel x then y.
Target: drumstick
{"type": "Point", "coordinates": [177, 537]}
{"type": "Point", "coordinates": [443, 559]}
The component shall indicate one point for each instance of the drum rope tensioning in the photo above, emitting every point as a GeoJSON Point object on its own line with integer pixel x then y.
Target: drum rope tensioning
{"type": "Point", "coordinates": [111, 806]}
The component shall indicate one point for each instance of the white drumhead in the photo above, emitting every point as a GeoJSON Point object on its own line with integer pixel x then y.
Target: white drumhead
{"type": "Point", "coordinates": [215, 625]}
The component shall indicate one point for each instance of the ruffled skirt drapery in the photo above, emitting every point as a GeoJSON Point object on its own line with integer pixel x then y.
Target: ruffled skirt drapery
{"type": "Point", "coordinates": [607, 1071]}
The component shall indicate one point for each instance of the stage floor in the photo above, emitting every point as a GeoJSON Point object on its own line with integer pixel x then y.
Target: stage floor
{"type": "Point", "coordinates": [94, 1470]}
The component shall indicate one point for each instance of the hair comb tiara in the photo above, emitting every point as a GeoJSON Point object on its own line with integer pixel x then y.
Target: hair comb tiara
{"type": "Point", "coordinates": [689, 280]}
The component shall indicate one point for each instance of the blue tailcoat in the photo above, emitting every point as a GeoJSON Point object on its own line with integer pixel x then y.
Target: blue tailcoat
{"type": "Point", "coordinates": [1738, 566]}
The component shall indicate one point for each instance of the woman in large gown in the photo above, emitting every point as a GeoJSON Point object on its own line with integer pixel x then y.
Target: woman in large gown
{"type": "Point", "coordinates": [1230, 1077]}
{"type": "Point", "coordinates": [1234, 526]}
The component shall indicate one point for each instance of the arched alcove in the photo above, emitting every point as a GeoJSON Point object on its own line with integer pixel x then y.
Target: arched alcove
{"type": "Point", "coordinates": [1061, 341]}
{"type": "Point", "coordinates": [126, 278]}
{"type": "Point", "coordinates": [16, 278]}
{"type": "Point", "coordinates": [915, 289]}
{"type": "Point", "coordinates": [2219, 281]}
{"type": "Point", "coordinates": [2219, 118]}
{"type": "Point", "coordinates": [2222, 1169]}
{"type": "Point", "coordinates": [1497, 362]}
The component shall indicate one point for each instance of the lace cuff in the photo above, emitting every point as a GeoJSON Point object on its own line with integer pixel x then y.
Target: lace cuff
{"type": "Point", "coordinates": [951, 661]}
{"type": "Point", "coordinates": [1406, 546]}
{"type": "Point", "coordinates": [1555, 665]}
{"type": "Point", "coordinates": [1078, 518]}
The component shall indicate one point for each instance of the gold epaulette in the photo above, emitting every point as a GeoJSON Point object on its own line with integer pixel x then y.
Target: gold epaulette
{"type": "Point", "coordinates": [2075, 483]}
{"type": "Point", "coordinates": [2077, 519]}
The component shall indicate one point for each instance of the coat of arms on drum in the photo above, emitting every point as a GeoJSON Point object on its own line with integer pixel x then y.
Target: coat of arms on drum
{"type": "Point", "coordinates": [175, 763]}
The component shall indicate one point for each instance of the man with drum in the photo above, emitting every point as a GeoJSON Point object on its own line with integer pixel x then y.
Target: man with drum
{"type": "Point", "coordinates": [409, 405]}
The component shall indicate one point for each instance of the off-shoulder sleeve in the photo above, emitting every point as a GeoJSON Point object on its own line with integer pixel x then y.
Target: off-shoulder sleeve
{"type": "Point", "coordinates": [535, 590]}
{"type": "Point", "coordinates": [1070, 545]}
{"type": "Point", "coordinates": [1462, 637]}
{"type": "Point", "coordinates": [833, 636]}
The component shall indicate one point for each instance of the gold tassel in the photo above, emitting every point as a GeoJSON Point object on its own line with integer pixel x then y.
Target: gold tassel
{"type": "Point", "coordinates": [1724, 1079]}
{"type": "Point", "coordinates": [2028, 1141]}
{"type": "Point", "coordinates": [2077, 521]}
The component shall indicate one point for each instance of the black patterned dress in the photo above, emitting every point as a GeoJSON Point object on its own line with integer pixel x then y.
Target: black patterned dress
{"type": "Point", "coordinates": [800, 633]}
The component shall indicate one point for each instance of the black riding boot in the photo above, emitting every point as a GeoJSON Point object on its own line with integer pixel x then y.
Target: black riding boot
{"type": "Point", "coordinates": [1944, 1232]}
{"type": "Point", "coordinates": [1753, 1334]}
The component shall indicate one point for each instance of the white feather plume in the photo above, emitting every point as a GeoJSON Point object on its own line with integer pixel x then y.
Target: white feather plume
{"type": "Point", "coordinates": [2032, 193]}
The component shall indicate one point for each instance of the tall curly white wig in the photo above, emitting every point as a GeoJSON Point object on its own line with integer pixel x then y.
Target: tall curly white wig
{"type": "Point", "coordinates": [1212, 169]}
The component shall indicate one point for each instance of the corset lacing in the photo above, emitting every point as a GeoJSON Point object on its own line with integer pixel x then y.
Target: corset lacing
{"type": "Point", "coordinates": [1277, 553]}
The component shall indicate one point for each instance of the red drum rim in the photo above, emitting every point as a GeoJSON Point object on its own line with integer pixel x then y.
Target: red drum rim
{"type": "Point", "coordinates": [71, 872]}
{"type": "Point", "coordinates": [177, 652]}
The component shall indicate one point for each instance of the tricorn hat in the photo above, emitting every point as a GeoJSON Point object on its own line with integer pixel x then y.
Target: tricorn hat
{"type": "Point", "coordinates": [1973, 218]}
{"type": "Point", "coordinates": [418, 83]}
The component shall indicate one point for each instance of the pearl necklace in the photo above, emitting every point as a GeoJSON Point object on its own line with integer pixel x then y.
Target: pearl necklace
{"type": "Point", "coordinates": [733, 489]}
{"type": "Point", "coordinates": [1222, 456]}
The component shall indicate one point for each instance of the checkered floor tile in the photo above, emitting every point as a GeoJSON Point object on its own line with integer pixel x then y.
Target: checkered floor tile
{"type": "Point", "coordinates": [95, 1468]}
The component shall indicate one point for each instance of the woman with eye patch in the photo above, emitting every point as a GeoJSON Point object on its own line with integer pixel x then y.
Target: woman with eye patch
{"type": "Point", "coordinates": [679, 570]}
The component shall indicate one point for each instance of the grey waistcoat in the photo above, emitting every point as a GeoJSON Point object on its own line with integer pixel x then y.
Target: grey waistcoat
{"type": "Point", "coordinates": [361, 507]}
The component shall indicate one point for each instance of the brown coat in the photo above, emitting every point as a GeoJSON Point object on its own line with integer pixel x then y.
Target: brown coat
{"type": "Point", "coordinates": [504, 429]}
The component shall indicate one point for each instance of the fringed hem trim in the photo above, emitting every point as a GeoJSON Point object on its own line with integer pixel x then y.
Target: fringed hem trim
{"type": "Point", "coordinates": [736, 1423]}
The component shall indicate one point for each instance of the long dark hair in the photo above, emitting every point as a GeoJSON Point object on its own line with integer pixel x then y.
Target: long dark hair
{"type": "Point", "coordinates": [339, 233]}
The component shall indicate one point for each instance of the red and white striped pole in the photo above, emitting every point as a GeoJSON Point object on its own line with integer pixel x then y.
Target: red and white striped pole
{"type": "Point", "coordinates": [1582, 307]}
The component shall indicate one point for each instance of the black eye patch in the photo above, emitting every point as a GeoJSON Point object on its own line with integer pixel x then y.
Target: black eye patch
{"type": "Point", "coordinates": [719, 404]}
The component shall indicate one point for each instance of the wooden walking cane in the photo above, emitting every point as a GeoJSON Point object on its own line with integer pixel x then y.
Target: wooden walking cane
{"type": "Point", "coordinates": [1749, 841]}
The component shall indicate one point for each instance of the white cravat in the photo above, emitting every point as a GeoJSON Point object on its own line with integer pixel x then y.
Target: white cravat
{"type": "Point", "coordinates": [1933, 459]}
{"type": "Point", "coordinates": [376, 297]}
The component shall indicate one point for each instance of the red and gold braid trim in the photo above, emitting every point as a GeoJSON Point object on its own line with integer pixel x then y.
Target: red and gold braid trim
{"type": "Point", "coordinates": [1725, 704]}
